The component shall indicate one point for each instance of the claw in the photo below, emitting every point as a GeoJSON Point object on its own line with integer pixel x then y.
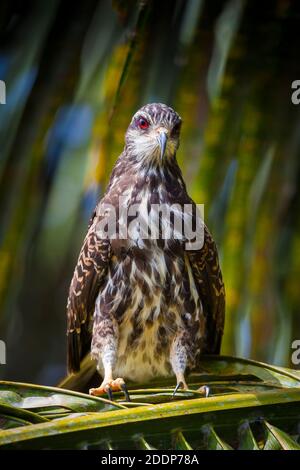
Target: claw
{"type": "Point", "coordinates": [125, 390]}
{"type": "Point", "coordinates": [205, 390]}
{"type": "Point", "coordinates": [178, 386]}
{"type": "Point", "coordinates": [109, 393]}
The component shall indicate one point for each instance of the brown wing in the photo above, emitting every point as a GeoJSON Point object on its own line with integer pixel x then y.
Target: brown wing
{"type": "Point", "coordinates": [89, 273]}
{"type": "Point", "coordinates": [208, 278]}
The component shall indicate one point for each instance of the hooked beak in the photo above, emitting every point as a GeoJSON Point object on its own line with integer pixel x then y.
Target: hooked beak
{"type": "Point", "coordinates": [162, 140]}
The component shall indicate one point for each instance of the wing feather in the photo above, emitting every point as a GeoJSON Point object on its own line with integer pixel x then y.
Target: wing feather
{"type": "Point", "coordinates": [88, 276]}
{"type": "Point", "coordinates": [208, 278]}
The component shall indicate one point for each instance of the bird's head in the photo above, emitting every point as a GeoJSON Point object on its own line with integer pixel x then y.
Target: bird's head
{"type": "Point", "coordinates": [153, 134]}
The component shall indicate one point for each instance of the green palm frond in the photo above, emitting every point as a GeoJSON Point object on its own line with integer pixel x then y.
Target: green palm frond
{"type": "Point", "coordinates": [251, 406]}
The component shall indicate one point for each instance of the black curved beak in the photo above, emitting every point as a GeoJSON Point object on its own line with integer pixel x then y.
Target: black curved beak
{"type": "Point", "coordinates": [162, 140]}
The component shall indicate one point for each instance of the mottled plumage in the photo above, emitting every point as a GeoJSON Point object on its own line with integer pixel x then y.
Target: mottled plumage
{"type": "Point", "coordinates": [146, 308]}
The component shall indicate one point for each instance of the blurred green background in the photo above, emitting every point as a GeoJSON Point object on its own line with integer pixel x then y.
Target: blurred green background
{"type": "Point", "coordinates": [75, 72]}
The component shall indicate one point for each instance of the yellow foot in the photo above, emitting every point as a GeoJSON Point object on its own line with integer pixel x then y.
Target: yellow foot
{"type": "Point", "coordinates": [109, 386]}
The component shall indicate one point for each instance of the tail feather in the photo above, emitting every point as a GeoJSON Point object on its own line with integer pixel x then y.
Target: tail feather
{"type": "Point", "coordinates": [78, 346]}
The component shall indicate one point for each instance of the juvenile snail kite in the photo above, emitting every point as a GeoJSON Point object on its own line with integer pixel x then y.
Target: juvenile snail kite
{"type": "Point", "coordinates": [145, 307]}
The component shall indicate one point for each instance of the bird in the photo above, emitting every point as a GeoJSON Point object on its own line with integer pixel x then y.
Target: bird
{"type": "Point", "coordinates": [145, 307]}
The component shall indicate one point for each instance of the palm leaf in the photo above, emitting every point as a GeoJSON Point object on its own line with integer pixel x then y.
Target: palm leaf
{"type": "Point", "coordinates": [251, 406]}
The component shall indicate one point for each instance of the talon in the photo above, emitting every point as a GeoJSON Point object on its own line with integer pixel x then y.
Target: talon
{"type": "Point", "coordinates": [125, 390]}
{"type": "Point", "coordinates": [109, 393]}
{"type": "Point", "coordinates": [178, 386]}
{"type": "Point", "coordinates": [205, 390]}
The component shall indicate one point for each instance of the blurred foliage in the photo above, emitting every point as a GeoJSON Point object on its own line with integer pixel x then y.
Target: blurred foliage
{"type": "Point", "coordinates": [74, 75]}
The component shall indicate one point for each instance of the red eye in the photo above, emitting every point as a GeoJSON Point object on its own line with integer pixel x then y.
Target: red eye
{"type": "Point", "coordinates": [143, 123]}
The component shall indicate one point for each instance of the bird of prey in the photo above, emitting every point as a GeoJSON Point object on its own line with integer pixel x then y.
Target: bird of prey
{"type": "Point", "coordinates": [145, 307]}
